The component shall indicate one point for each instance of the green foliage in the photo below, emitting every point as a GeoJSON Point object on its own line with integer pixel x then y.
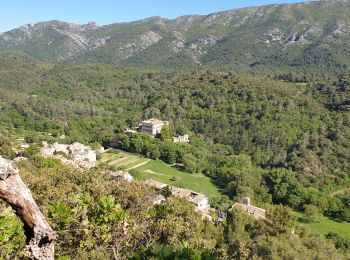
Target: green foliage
{"type": "Point", "coordinates": [11, 232]}
{"type": "Point", "coordinates": [61, 212]}
{"type": "Point", "coordinates": [165, 133]}
{"type": "Point", "coordinates": [285, 187]}
{"type": "Point", "coordinates": [98, 218]}
{"type": "Point", "coordinates": [340, 242]}
{"type": "Point", "coordinates": [311, 213]}
{"type": "Point", "coordinates": [30, 152]}
{"type": "Point", "coordinates": [166, 192]}
{"type": "Point", "coordinates": [6, 148]}
{"type": "Point", "coordinates": [282, 219]}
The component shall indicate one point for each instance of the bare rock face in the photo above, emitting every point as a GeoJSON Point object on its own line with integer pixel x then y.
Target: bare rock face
{"type": "Point", "coordinates": [40, 236]}
{"type": "Point", "coordinates": [141, 43]}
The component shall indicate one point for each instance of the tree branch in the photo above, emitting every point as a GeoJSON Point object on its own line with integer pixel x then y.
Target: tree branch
{"type": "Point", "coordinates": [40, 236]}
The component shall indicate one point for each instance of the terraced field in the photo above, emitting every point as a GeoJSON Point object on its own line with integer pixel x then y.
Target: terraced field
{"type": "Point", "coordinates": [146, 169]}
{"type": "Point", "coordinates": [122, 159]}
{"type": "Point", "coordinates": [165, 173]}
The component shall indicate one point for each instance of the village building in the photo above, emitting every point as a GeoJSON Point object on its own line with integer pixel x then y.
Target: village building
{"type": "Point", "coordinates": [50, 150]}
{"type": "Point", "coordinates": [244, 205]}
{"type": "Point", "coordinates": [181, 139]}
{"type": "Point", "coordinates": [153, 126]}
{"type": "Point", "coordinates": [80, 154]}
{"type": "Point", "coordinates": [199, 200]}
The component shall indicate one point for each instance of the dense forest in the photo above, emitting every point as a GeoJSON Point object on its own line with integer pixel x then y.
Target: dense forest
{"type": "Point", "coordinates": [282, 139]}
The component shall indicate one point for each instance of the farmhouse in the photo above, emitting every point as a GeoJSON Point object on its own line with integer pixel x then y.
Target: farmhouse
{"type": "Point", "coordinates": [244, 205]}
{"type": "Point", "coordinates": [153, 126]}
{"type": "Point", "coordinates": [199, 200]}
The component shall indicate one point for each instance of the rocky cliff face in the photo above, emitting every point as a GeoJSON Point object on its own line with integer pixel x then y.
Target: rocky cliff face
{"type": "Point", "coordinates": [61, 40]}
{"type": "Point", "coordinates": [295, 35]}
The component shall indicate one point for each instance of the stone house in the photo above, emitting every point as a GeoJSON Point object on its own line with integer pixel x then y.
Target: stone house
{"type": "Point", "coordinates": [199, 200]}
{"type": "Point", "coordinates": [244, 205]}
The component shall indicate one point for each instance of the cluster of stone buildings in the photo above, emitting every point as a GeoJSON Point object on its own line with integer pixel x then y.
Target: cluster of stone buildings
{"type": "Point", "coordinates": [154, 127]}
{"type": "Point", "coordinates": [75, 154]}
{"type": "Point", "coordinates": [199, 200]}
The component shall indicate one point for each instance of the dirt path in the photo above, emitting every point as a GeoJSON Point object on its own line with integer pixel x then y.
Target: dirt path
{"type": "Point", "coordinates": [138, 165]}
{"type": "Point", "coordinates": [152, 172]}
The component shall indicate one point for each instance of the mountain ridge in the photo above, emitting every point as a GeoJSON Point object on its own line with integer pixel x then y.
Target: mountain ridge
{"type": "Point", "coordinates": [287, 36]}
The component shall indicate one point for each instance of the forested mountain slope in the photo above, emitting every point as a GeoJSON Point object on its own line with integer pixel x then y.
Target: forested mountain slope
{"type": "Point", "coordinates": [304, 127]}
{"type": "Point", "coordinates": [312, 36]}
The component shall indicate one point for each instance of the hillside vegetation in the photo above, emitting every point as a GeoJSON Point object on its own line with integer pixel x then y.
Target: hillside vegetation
{"type": "Point", "coordinates": [262, 92]}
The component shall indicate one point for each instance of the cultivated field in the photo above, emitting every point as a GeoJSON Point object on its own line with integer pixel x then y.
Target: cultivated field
{"type": "Point", "coordinates": [326, 225]}
{"type": "Point", "coordinates": [121, 159]}
{"type": "Point", "coordinates": [157, 170]}
{"type": "Point", "coordinates": [162, 172]}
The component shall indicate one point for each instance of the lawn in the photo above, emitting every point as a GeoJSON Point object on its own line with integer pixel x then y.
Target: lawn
{"type": "Point", "coordinates": [162, 172]}
{"type": "Point", "coordinates": [118, 159]}
{"type": "Point", "coordinates": [326, 225]}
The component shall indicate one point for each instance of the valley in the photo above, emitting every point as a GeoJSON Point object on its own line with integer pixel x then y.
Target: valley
{"type": "Point", "coordinates": [220, 136]}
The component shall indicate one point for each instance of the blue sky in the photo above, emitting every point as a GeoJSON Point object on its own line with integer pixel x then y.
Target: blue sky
{"type": "Point", "coordinates": [14, 13]}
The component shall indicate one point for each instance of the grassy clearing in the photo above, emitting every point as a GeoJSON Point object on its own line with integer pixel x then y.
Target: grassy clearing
{"type": "Point", "coordinates": [121, 159]}
{"type": "Point", "coordinates": [162, 172]}
{"type": "Point", "coordinates": [325, 225]}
